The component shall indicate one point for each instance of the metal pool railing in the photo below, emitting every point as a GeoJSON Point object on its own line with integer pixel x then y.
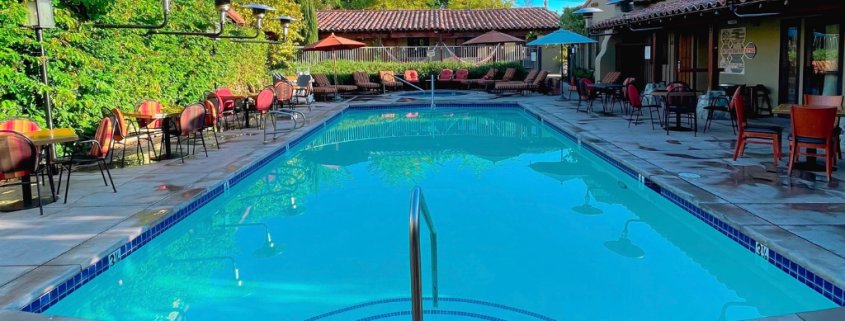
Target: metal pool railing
{"type": "Point", "coordinates": [418, 206]}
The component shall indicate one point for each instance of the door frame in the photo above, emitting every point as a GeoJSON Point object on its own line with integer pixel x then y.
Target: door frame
{"type": "Point", "coordinates": [808, 50]}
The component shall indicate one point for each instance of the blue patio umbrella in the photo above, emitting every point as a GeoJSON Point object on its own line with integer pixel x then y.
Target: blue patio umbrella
{"type": "Point", "coordinates": [562, 37]}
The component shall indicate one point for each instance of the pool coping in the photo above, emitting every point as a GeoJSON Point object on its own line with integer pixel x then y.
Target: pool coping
{"type": "Point", "coordinates": [827, 284]}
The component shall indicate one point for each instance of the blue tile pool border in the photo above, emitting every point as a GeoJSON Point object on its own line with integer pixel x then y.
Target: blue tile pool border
{"type": "Point", "coordinates": [63, 289]}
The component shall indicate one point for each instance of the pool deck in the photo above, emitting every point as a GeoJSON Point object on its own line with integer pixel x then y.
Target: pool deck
{"type": "Point", "coordinates": [802, 217]}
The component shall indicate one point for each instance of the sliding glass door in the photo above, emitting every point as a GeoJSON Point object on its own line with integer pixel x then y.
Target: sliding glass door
{"type": "Point", "coordinates": [823, 52]}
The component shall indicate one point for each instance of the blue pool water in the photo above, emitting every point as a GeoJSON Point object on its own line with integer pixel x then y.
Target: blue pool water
{"type": "Point", "coordinates": [530, 227]}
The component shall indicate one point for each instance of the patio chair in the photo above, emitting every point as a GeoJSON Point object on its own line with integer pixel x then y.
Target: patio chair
{"type": "Point", "coordinates": [21, 159]}
{"type": "Point", "coordinates": [730, 109]}
{"type": "Point", "coordinates": [445, 77]}
{"type": "Point", "coordinates": [303, 94]}
{"type": "Point", "coordinates": [19, 124]}
{"type": "Point", "coordinates": [229, 108]}
{"type": "Point", "coordinates": [323, 81]}
{"type": "Point", "coordinates": [284, 94]}
{"type": "Point", "coordinates": [362, 80]}
{"type": "Point", "coordinates": [263, 104]}
{"type": "Point", "coordinates": [100, 148]}
{"type": "Point", "coordinates": [412, 77]}
{"type": "Point", "coordinates": [756, 134]}
{"type": "Point", "coordinates": [681, 101]}
{"type": "Point", "coordinates": [508, 76]}
{"type": "Point", "coordinates": [388, 80]}
{"type": "Point", "coordinates": [148, 107]}
{"type": "Point", "coordinates": [836, 101]}
{"type": "Point", "coordinates": [460, 75]}
{"type": "Point", "coordinates": [469, 82]}
{"type": "Point", "coordinates": [812, 127]}
{"type": "Point", "coordinates": [191, 122]}
{"type": "Point", "coordinates": [637, 104]}
{"type": "Point", "coordinates": [122, 133]}
{"type": "Point", "coordinates": [611, 77]}
{"type": "Point", "coordinates": [523, 87]}
{"type": "Point", "coordinates": [621, 94]}
{"type": "Point", "coordinates": [586, 94]}
{"type": "Point", "coordinates": [211, 118]}
{"type": "Point", "coordinates": [761, 99]}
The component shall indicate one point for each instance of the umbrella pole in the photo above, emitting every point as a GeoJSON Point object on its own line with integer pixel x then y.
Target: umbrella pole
{"type": "Point", "coordinates": [334, 57]}
{"type": "Point", "coordinates": [562, 97]}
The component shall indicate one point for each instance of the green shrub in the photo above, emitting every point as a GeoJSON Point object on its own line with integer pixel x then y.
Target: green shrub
{"type": "Point", "coordinates": [92, 69]}
{"type": "Point", "coordinates": [345, 68]}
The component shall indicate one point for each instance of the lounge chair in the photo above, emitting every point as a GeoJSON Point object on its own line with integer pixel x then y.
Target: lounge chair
{"type": "Point", "coordinates": [388, 80]}
{"type": "Point", "coordinates": [323, 81]}
{"type": "Point", "coordinates": [524, 87]}
{"type": "Point", "coordinates": [490, 74]}
{"type": "Point", "coordinates": [412, 77]}
{"type": "Point", "coordinates": [611, 77]}
{"type": "Point", "coordinates": [506, 85]}
{"type": "Point", "coordinates": [445, 77]}
{"type": "Point", "coordinates": [362, 80]}
{"type": "Point", "coordinates": [505, 78]}
{"type": "Point", "coordinates": [460, 76]}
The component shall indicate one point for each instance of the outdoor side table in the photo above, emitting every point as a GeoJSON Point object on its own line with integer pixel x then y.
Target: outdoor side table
{"type": "Point", "coordinates": [665, 93]}
{"type": "Point", "coordinates": [811, 164]}
{"type": "Point", "coordinates": [607, 89]}
{"type": "Point", "coordinates": [166, 118]}
{"type": "Point", "coordinates": [46, 138]}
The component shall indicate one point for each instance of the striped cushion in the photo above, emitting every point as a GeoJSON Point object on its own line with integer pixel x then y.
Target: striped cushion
{"type": "Point", "coordinates": [20, 125]}
{"type": "Point", "coordinates": [324, 90]}
{"type": "Point", "coordinates": [191, 119]}
{"type": "Point", "coordinates": [123, 129]}
{"type": "Point", "coordinates": [264, 101]}
{"type": "Point", "coordinates": [346, 87]}
{"type": "Point", "coordinates": [18, 156]}
{"type": "Point", "coordinates": [149, 107]}
{"type": "Point", "coordinates": [392, 83]}
{"type": "Point", "coordinates": [104, 135]}
{"type": "Point", "coordinates": [368, 85]}
{"type": "Point", "coordinates": [512, 85]}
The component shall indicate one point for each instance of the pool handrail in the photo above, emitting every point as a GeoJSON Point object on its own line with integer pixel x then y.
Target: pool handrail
{"type": "Point", "coordinates": [418, 88]}
{"type": "Point", "coordinates": [418, 206]}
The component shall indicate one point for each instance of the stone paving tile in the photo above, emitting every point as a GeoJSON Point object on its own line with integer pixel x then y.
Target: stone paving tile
{"type": "Point", "coordinates": [9, 273]}
{"type": "Point", "coordinates": [829, 237]}
{"type": "Point", "coordinates": [799, 213]}
{"type": "Point", "coordinates": [824, 315]}
{"type": "Point", "coordinates": [10, 315]}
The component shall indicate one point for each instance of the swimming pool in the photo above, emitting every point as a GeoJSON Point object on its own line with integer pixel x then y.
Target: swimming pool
{"type": "Point", "coordinates": [531, 226]}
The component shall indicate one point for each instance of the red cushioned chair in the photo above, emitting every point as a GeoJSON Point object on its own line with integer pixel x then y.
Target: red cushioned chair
{"type": "Point", "coordinates": [284, 94]}
{"type": "Point", "coordinates": [190, 125]}
{"type": "Point", "coordinates": [756, 134]}
{"type": "Point", "coordinates": [445, 77]}
{"type": "Point", "coordinates": [211, 118]}
{"type": "Point", "coordinates": [637, 104]}
{"type": "Point", "coordinates": [20, 159]}
{"type": "Point", "coordinates": [100, 148]}
{"type": "Point", "coordinates": [835, 101]}
{"type": "Point", "coordinates": [412, 76]}
{"type": "Point", "coordinates": [264, 103]}
{"type": "Point", "coordinates": [122, 132]}
{"type": "Point", "coordinates": [460, 75]}
{"type": "Point", "coordinates": [812, 127]}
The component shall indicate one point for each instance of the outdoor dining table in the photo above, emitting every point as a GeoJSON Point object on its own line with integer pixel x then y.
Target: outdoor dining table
{"type": "Point", "coordinates": [665, 93]}
{"type": "Point", "coordinates": [46, 138]}
{"type": "Point", "coordinates": [811, 164]}
{"type": "Point", "coordinates": [607, 89]}
{"type": "Point", "coordinates": [246, 104]}
{"type": "Point", "coordinates": [167, 119]}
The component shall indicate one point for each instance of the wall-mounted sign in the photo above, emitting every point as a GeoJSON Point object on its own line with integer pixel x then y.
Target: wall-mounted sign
{"type": "Point", "coordinates": [430, 53]}
{"type": "Point", "coordinates": [750, 50]}
{"type": "Point", "coordinates": [647, 52]}
{"type": "Point", "coordinates": [732, 50]}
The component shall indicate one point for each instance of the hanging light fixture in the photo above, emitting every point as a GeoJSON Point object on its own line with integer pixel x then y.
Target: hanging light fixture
{"type": "Point", "coordinates": [285, 21]}
{"type": "Point", "coordinates": [165, 4]}
{"type": "Point", "coordinates": [734, 3]}
{"type": "Point", "coordinates": [259, 10]}
{"type": "Point", "coordinates": [222, 5]}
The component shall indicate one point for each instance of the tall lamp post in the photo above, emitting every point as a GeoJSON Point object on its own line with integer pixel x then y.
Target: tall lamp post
{"type": "Point", "coordinates": [40, 17]}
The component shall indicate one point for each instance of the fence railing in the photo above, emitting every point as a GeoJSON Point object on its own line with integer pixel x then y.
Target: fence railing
{"type": "Point", "coordinates": [470, 54]}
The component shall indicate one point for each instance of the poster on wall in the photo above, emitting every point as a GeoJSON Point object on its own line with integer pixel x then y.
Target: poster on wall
{"type": "Point", "coordinates": [732, 51]}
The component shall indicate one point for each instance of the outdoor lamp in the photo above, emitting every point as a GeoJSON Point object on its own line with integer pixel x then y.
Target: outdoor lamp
{"type": "Point", "coordinates": [623, 245]}
{"type": "Point", "coordinates": [165, 4]}
{"type": "Point", "coordinates": [259, 10]}
{"type": "Point", "coordinates": [733, 3]}
{"type": "Point", "coordinates": [222, 5]}
{"type": "Point", "coordinates": [285, 21]}
{"type": "Point", "coordinates": [625, 5]}
{"type": "Point", "coordinates": [40, 14]}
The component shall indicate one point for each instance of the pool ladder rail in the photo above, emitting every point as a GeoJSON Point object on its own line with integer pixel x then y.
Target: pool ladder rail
{"type": "Point", "coordinates": [274, 114]}
{"type": "Point", "coordinates": [418, 206]}
{"type": "Point", "coordinates": [433, 105]}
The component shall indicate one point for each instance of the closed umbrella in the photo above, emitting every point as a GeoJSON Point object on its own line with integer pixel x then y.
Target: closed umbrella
{"type": "Point", "coordinates": [332, 43]}
{"type": "Point", "coordinates": [562, 37]}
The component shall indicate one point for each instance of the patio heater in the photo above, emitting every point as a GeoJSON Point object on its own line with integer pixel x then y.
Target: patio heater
{"type": "Point", "coordinates": [259, 10]}
{"type": "Point", "coordinates": [165, 4]}
{"type": "Point", "coordinates": [222, 5]}
{"type": "Point", "coordinates": [40, 17]}
{"type": "Point", "coordinates": [285, 21]}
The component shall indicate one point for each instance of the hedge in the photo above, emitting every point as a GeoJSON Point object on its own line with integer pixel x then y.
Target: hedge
{"type": "Point", "coordinates": [345, 68]}
{"type": "Point", "coordinates": [92, 69]}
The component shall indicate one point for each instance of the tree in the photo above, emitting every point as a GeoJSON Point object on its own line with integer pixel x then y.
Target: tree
{"type": "Point", "coordinates": [572, 21]}
{"type": "Point", "coordinates": [309, 17]}
{"type": "Point", "coordinates": [479, 4]}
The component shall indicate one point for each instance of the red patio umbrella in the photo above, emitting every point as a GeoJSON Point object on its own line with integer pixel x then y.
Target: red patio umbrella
{"type": "Point", "coordinates": [332, 43]}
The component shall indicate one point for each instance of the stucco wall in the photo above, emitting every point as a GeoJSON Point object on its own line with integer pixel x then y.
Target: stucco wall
{"type": "Point", "coordinates": [764, 68]}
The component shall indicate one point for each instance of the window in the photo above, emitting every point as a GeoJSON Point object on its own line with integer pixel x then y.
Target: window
{"type": "Point", "coordinates": [418, 42]}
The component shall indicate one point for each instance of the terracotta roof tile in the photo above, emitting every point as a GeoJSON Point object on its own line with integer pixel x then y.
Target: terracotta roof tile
{"type": "Point", "coordinates": [667, 9]}
{"type": "Point", "coordinates": [535, 18]}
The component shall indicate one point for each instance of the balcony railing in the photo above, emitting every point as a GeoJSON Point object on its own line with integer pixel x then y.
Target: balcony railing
{"type": "Point", "coordinates": [469, 54]}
